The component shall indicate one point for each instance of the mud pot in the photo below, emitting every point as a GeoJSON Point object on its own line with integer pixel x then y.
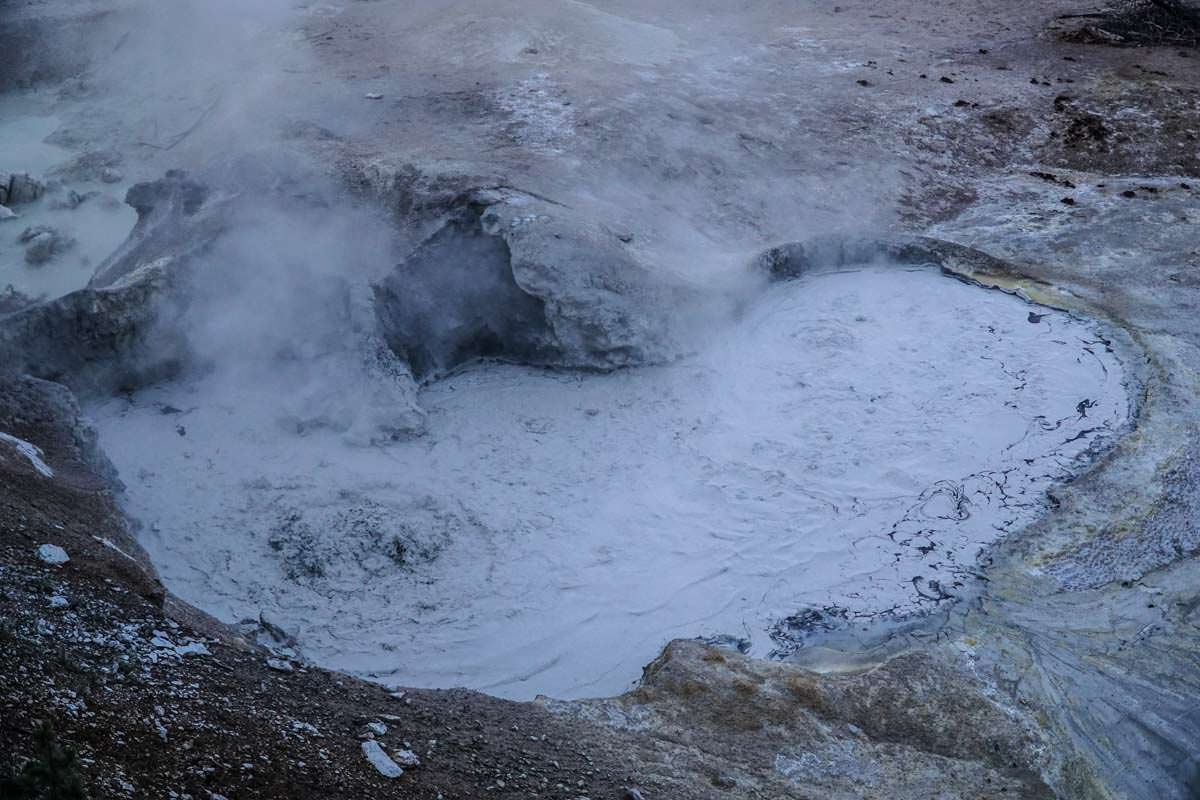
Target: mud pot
{"type": "Point", "coordinates": [820, 458]}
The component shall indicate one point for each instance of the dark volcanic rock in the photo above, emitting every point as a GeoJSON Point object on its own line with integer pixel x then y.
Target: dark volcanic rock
{"type": "Point", "coordinates": [518, 279]}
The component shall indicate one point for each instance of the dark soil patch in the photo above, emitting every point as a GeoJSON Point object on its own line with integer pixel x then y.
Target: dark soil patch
{"type": "Point", "coordinates": [1142, 23]}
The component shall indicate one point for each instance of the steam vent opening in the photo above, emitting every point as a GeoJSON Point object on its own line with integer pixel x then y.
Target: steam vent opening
{"type": "Point", "coordinates": [843, 450]}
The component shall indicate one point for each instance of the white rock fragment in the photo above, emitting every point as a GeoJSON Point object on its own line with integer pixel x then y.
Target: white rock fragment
{"type": "Point", "coordinates": [377, 728]}
{"type": "Point", "coordinates": [406, 758]}
{"type": "Point", "coordinates": [58, 601]}
{"type": "Point", "coordinates": [192, 649]}
{"type": "Point", "coordinates": [160, 640]}
{"type": "Point", "coordinates": [7, 213]}
{"type": "Point", "coordinates": [279, 665]}
{"type": "Point", "coordinates": [305, 727]}
{"type": "Point", "coordinates": [52, 554]}
{"type": "Point", "coordinates": [380, 760]}
{"type": "Point", "coordinates": [373, 96]}
{"type": "Point", "coordinates": [31, 452]}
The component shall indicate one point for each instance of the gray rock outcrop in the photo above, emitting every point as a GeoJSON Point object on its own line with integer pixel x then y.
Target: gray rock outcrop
{"type": "Point", "coordinates": [517, 279]}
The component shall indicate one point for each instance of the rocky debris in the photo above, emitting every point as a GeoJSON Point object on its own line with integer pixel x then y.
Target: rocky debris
{"type": "Point", "coordinates": [280, 665]}
{"type": "Point", "coordinates": [407, 759]}
{"type": "Point", "coordinates": [7, 213]}
{"type": "Point", "coordinates": [19, 188]}
{"type": "Point", "coordinates": [377, 728]}
{"type": "Point", "coordinates": [43, 243]}
{"type": "Point", "coordinates": [378, 759]}
{"type": "Point", "coordinates": [1110, 134]}
{"type": "Point", "coordinates": [52, 554]}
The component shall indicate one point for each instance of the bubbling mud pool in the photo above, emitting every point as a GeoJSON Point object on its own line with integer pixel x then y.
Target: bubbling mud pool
{"type": "Point", "coordinates": [852, 441]}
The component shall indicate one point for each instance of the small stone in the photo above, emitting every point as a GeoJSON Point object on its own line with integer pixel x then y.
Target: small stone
{"type": "Point", "coordinates": [23, 189]}
{"type": "Point", "coordinates": [58, 601]}
{"type": "Point", "coordinates": [7, 213]}
{"type": "Point", "coordinates": [52, 554]}
{"type": "Point", "coordinates": [406, 758]}
{"type": "Point", "coordinates": [40, 249]}
{"type": "Point", "coordinates": [111, 175]}
{"type": "Point", "coordinates": [377, 728]}
{"type": "Point", "coordinates": [43, 243]}
{"type": "Point", "coordinates": [192, 649]}
{"type": "Point", "coordinates": [373, 96]}
{"type": "Point", "coordinates": [380, 761]}
{"type": "Point", "coordinates": [280, 665]}
{"type": "Point", "coordinates": [634, 794]}
{"type": "Point", "coordinates": [72, 200]}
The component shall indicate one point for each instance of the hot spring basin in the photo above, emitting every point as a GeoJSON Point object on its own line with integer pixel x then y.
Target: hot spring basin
{"type": "Point", "coordinates": [853, 441]}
